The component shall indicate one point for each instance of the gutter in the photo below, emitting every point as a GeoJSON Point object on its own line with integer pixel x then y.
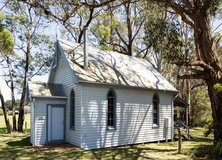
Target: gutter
{"type": "Point", "coordinates": [50, 97]}
{"type": "Point", "coordinates": [99, 84]}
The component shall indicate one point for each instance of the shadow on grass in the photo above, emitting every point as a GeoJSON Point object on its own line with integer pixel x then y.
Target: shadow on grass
{"type": "Point", "coordinates": [131, 152]}
{"type": "Point", "coordinates": [21, 143]}
{"type": "Point", "coordinates": [206, 151]}
{"type": "Point", "coordinates": [3, 130]}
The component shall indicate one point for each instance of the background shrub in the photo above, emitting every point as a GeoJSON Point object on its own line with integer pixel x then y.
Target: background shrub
{"type": "Point", "coordinates": [9, 112]}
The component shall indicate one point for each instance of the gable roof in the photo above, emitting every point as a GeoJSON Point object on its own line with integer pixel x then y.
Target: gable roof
{"type": "Point", "coordinates": [45, 90]}
{"type": "Point", "coordinates": [106, 67]}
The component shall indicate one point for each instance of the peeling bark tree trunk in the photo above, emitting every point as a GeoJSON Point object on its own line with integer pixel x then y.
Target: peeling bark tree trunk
{"type": "Point", "coordinates": [8, 126]}
{"type": "Point", "coordinates": [215, 98]}
{"type": "Point", "coordinates": [13, 95]}
{"type": "Point", "coordinates": [22, 103]}
{"type": "Point", "coordinates": [208, 54]}
{"type": "Point", "coordinates": [27, 52]}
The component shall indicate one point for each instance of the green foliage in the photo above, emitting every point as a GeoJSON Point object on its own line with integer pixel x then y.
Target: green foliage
{"type": "Point", "coordinates": [41, 46]}
{"type": "Point", "coordinates": [1, 25]}
{"type": "Point", "coordinates": [6, 39]}
{"type": "Point", "coordinates": [209, 126]}
{"type": "Point", "coordinates": [218, 87]}
{"type": "Point", "coordinates": [206, 150]}
{"type": "Point", "coordinates": [201, 106]}
{"type": "Point", "coordinates": [163, 36]}
{"type": "Point", "coordinates": [9, 112]}
{"type": "Point", "coordinates": [215, 5]}
{"type": "Point", "coordinates": [8, 104]}
{"type": "Point", "coordinates": [1, 111]}
{"type": "Point", "coordinates": [102, 29]}
{"type": "Point", "coordinates": [104, 34]}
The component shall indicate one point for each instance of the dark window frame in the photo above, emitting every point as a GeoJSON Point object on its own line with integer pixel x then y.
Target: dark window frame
{"type": "Point", "coordinates": [156, 109]}
{"type": "Point", "coordinates": [111, 110]}
{"type": "Point", "coordinates": [72, 110]}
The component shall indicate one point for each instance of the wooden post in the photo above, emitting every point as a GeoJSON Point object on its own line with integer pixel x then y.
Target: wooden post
{"type": "Point", "coordinates": [25, 127]}
{"type": "Point", "coordinates": [179, 140]}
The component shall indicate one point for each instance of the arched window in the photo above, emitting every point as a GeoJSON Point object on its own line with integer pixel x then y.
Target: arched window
{"type": "Point", "coordinates": [156, 109]}
{"type": "Point", "coordinates": [111, 110]}
{"type": "Point", "coordinates": [72, 110]}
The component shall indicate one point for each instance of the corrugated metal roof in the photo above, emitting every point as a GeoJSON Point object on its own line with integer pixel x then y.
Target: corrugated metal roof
{"type": "Point", "coordinates": [40, 89]}
{"type": "Point", "coordinates": [178, 101]}
{"type": "Point", "coordinates": [113, 68]}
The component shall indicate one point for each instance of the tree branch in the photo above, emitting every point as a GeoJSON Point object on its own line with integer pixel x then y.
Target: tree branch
{"type": "Point", "coordinates": [138, 29]}
{"type": "Point", "coordinates": [179, 10]}
{"type": "Point", "coordinates": [137, 55]}
{"type": "Point", "coordinates": [218, 40]}
{"type": "Point", "coordinates": [195, 70]}
{"type": "Point", "coordinates": [196, 63]}
{"type": "Point", "coordinates": [38, 69]}
{"type": "Point", "coordinates": [120, 37]}
{"type": "Point", "coordinates": [87, 24]}
{"type": "Point", "coordinates": [198, 85]}
{"type": "Point", "coordinates": [47, 10]}
{"type": "Point", "coordinates": [193, 76]}
{"type": "Point", "coordinates": [174, 52]}
{"type": "Point", "coordinates": [116, 44]}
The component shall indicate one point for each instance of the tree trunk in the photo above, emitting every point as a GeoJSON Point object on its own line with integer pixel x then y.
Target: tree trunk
{"type": "Point", "coordinates": [216, 105]}
{"type": "Point", "coordinates": [8, 126]}
{"type": "Point", "coordinates": [13, 95]}
{"type": "Point", "coordinates": [208, 54]}
{"type": "Point", "coordinates": [22, 103]}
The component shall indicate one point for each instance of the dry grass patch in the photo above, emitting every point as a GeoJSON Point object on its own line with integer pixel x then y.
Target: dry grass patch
{"type": "Point", "coordinates": [56, 147]}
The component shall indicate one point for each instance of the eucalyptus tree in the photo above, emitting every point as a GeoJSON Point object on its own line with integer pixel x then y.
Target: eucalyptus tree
{"type": "Point", "coordinates": [196, 14]}
{"type": "Point", "coordinates": [73, 15]}
{"type": "Point", "coordinates": [120, 28]}
{"type": "Point", "coordinates": [27, 25]}
{"type": "Point", "coordinates": [6, 48]}
{"type": "Point", "coordinates": [10, 60]}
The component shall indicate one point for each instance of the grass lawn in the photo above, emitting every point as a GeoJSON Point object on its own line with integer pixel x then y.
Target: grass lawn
{"type": "Point", "coordinates": [17, 146]}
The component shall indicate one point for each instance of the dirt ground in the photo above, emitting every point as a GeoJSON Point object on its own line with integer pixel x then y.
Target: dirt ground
{"type": "Point", "coordinates": [56, 147]}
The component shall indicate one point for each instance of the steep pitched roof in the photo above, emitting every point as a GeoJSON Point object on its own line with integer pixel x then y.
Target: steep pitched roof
{"type": "Point", "coordinates": [113, 68]}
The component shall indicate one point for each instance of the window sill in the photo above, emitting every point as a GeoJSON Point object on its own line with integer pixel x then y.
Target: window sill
{"type": "Point", "coordinates": [111, 128]}
{"type": "Point", "coordinates": [155, 126]}
{"type": "Point", "coordinates": [72, 129]}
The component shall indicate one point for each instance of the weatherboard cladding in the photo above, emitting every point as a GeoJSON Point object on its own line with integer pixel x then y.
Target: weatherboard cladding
{"type": "Point", "coordinates": [32, 123]}
{"type": "Point", "coordinates": [113, 68]}
{"type": "Point", "coordinates": [40, 124]}
{"type": "Point", "coordinates": [63, 75]}
{"type": "Point", "coordinates": [134, 118]}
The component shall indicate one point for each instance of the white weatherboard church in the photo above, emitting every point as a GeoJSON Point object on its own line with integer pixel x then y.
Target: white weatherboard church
{"type": "Point", "coordinates": [97, 99]}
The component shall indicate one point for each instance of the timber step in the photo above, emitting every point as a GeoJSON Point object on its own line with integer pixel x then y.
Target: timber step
{"type": "Point", "coordinates": [184, 135]}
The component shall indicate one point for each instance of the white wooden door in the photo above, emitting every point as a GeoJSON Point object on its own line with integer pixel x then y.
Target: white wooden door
{"type": "Point", "coordinates": [57, 123]}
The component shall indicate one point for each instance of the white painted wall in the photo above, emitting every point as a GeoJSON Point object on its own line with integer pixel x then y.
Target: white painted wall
{"type": "Point", "coordinates": [40, 110]}
{"type": "Point", "coordinates": [32, 123]}
{"type": "Point", "coordinates": [63, 76]}
{"type": "Point", "coordinates": [134, 118]}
